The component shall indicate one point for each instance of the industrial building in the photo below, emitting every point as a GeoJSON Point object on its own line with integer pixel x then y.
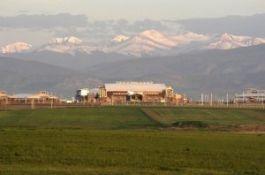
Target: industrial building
{"type": "Point", "coordinates": [138, 92]}
{"type": "Point", "coordinates": [81, 95]}
{"type": "Point", "coordinates": [87, 96]}
{"type": "Point", "coordinates": [250, 96]}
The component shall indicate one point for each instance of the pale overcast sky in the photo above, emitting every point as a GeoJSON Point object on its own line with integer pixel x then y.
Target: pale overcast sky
{"type": "Point", "coordinates": [135, 9]}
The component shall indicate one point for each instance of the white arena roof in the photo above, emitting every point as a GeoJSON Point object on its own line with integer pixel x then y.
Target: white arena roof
{"type": "Point", "coordinates": [135, 87]}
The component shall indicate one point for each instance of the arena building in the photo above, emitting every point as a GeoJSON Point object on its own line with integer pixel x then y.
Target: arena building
{"type": "Point", "coordinates": [138, 92]}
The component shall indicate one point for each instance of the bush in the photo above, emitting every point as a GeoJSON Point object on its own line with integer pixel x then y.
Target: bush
{"type": "Point", "coordinates": [186, 124]}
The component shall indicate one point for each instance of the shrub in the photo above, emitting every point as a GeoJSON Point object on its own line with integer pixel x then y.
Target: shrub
{"type": "Point", "coordinates": [186, 124]}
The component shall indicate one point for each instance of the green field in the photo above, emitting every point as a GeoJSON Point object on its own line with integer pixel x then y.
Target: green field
{"type": "Point", "coordinates": [217, 117]}
{"type": "Point", "coordinates": [89, 118]}
{"type": "Point", "coordinates": [131, 140]}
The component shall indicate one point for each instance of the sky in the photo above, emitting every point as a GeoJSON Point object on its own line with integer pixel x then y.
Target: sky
{"type": "Point", "coordinates": [135, 9]}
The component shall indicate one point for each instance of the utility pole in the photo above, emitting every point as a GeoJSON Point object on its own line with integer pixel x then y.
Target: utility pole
{"type": "Point", "coordinates": [211, 99]}
{"type": "Point", "coordinates": [52, 104]}
{"type": "Point", "coordinates": [263, 102]}
{"type": "Point", "coordinates": [202, 96]}
{"type": "Point", "coordinates": [32, 104]}
{"type": "Point", "coordinates": [243, 97]}
{"type": "Point", "coordinates": [227, 100]}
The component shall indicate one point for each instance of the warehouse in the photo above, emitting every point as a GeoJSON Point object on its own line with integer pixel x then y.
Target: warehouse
{"type": "Point", "coordinates": [137, 92]}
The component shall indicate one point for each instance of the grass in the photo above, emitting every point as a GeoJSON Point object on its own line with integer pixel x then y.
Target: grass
{"type": "Point", "coordinates": [92, 118]}
{"type": "Point", "coordinates": [210, 116]}
{"type": "Point", "coordinates": [40, 151]}
{"type": "Point", "coordinates": [129, 117]}
{"type": "Point", "coordinates": [129, 140]}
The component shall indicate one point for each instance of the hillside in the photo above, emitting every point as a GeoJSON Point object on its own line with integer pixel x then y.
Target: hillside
{"type": "Point", "coordinates": [79, 61]}
{"type": "Point", "coordinates": [29, 76]}
{"type": "Point", "coordinates": [216, 71]}
{"type": "Point", "coordinates": [206, 71]}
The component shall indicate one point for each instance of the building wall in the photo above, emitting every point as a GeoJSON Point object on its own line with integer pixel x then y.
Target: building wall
{"type": "Point", "coordinates": [124, 98]}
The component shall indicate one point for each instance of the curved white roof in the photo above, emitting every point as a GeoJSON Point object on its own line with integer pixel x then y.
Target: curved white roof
{"type": "Point", "coordinates": [135, 87]}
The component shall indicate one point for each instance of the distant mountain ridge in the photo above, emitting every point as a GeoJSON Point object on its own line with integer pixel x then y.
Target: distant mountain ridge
{"type": "Point", "coordinates": [37, 29]}
{"type": "Point", "coordinates": [146, 43]}
{"type": "Point", "coordinates": [16, 47]}
{"type": "Point", "coordinates": [207, 71]}
{"type": "Point", "coordinates": [220, 54]}
{"type": "Point", "coordinates": [229, 41]}
{"type": "Point", "coordinates": [192, 73]}
{"type": "Point", "coordinates": [18, 76]}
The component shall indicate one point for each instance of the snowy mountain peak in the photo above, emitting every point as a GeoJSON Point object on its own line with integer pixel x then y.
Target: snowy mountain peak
{"type": "Point", "coordinates": [229, 41]}
{"type": "Point", "coordinates": [196, 37]}
{"type": "Point", "coordinates": [230, 37]}
{"type": "Point", "coordinates": [156, 37]}
{"type": "Point", "coordinates": [189, 37]}
{"type": "Point", "coordinates": [66, 40]}
{"type": "Point", "coordinates": [258, 41]}
{"type": "Point", "coordinates": [68, 45]}
{"type": "Point", "coordinates": [152, 34]}
{"type": "Point", "coordinates": [145, 43]}
{"type": "Point", "coordinates": [74, 40]}
{"type": "Point", "coordinates": [153, 42]}
{"type": "Point", "coordinates": [227, 37]}
{"type": "Point", "coordinates": [120, 38]}
{"type": "Point", "coordinates": [16, 47]}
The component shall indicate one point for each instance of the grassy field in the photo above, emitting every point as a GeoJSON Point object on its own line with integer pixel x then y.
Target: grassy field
{"type": "Point", "coordinates": [131, 117]}
{"type": "Point", "coordinates": [91, 118]}
{"type": "Point", "coordinates": [221, 117]}
{"type": "Point", "coordinates": [130, 140]}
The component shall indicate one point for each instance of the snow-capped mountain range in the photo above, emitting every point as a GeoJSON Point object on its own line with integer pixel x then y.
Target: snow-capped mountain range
{"type": "Point", "coordinates": [149, 42]}
{"type": "Point", "coordinates": [228, 41]}
{"type": "Point", "coordinates": [152, 42]}
{"type": "Point", "coordinates": [67, 45]}
{"type": "Point", "coordinates": [120, 38]}
{"type": "Point", "coordinates": [16, 47]}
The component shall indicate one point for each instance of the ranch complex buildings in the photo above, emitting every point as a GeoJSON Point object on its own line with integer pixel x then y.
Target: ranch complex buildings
{"type": "Point", "coordinates": [138, 92]}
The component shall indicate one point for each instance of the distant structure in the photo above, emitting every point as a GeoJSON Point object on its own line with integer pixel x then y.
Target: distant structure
{"type": "Point", "coordinates": [81, 95]}
{"type": "Point", "coordinates": [138, 92]}
{"type": "Point", "coordinates": [42, 97]}
{"type": "Point", "coordinates": [86, 95]}
{"type": "Point", "coordinates": [3, 97]}
{"type": "Point", "coordinates": [250, 96]}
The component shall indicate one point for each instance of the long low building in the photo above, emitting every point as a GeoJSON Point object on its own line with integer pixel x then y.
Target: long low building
{"type": "Point", "coordinates": [138, 92]}
{"type": "Point", "coordinates": [42, 97]}
{"type": "Point", "coordinates": [250, 96]}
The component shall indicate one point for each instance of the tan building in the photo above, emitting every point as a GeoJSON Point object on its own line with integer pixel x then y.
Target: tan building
{"type": "Point", "coordinates": [3, 97]}
{"type": "Point", "coordinates": [41, 97]}
{"type": "Point", "coordinates": [137, 92]}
